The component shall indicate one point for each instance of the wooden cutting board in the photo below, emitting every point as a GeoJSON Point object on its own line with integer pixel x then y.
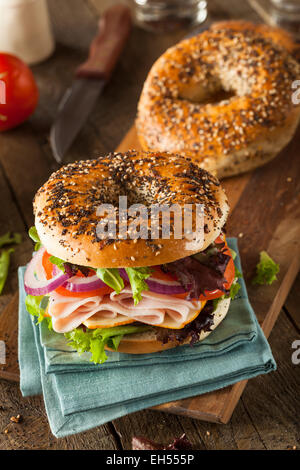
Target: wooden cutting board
{"type": "Point", "coordinates": [265, 215]}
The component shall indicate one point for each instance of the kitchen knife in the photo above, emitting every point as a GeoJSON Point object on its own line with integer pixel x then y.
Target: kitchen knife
{"type": "Point", "coordinates": [90, 79]}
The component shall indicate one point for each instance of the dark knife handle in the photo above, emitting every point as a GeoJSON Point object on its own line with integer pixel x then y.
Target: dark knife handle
{"type": "Point", "coordinates": [105, 49]}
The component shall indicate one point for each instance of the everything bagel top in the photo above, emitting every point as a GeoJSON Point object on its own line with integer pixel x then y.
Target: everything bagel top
{"type": "Point", "coordinates": [66, 208]}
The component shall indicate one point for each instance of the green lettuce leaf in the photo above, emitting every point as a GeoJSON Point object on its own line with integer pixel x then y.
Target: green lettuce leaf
{"type": "Point", "coordinates": [266, 270]}
{"type": "Point", "coordinates": [216, 302]}
{"type": "Point", "coordinates": [58, 262]}
{"type": "Point", "coordinates": [234, 289]}
{"type": "Point", "coordinates": [36, 306]}
{"type": "Point", "coordinates": [238, 273]}
{"type": "Point", "coordinates": [235, 286]}
{"type": "Point", "coordinates": [35, 237]}
{"type": "Point", "coordinates": [8, 239]}
{"type": "Point", "coordinates": [94, 341]}
{"type": "Point", "coordinates": [111, 277]}
{"type": "Point", "coordinates": [137, 278]}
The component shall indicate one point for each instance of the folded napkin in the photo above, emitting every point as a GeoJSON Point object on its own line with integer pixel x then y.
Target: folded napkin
{"type": "Point", "coordinates": [79, 395]}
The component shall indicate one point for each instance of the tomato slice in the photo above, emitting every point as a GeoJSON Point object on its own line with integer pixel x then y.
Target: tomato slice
{"type": "Point", "coordinates": [48, 266]}
{"type": "Point", "coordinates": [91, 293]}
{"type": "Point", "coordinates": [158, 273]}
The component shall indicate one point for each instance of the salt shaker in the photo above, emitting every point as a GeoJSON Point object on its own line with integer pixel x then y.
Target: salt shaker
{"type": "Point", "coordinates": [25, 29]}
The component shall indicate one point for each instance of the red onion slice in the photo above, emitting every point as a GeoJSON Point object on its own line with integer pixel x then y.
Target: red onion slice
{"type": "Point", "coordinates": [35, 281]}
{"type": "Point", "coordinates": [81, 284]}
{"type": "Point", "coordinates": [84, 284]}
{"type": "Point", "coordinates": [162, 287]}
{"type": "Point", "coordinates": [158, 285]}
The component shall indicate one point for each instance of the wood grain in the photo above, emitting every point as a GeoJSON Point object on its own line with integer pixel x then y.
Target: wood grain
{"type": "Point", "coordinates": [269, 221]}
{"type": "Point", "coordinates": [8, 334]}
{"type": "Point", "coordinates": [280, 237]}
{"type": "Point", "coordinates": [292, 305]}
{"type": "Point", "coordinates": [266, 415]}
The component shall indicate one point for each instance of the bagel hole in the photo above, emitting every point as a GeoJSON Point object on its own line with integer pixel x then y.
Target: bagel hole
{"type": "Point", "coordinates": [201, 95]}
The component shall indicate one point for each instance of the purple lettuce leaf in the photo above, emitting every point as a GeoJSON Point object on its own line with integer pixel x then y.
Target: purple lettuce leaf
{"type": "Point", "coordinates": [197, 277]}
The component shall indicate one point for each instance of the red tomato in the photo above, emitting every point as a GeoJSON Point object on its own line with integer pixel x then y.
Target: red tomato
{"type": "Point", "coordinates": [91, 293]}
{"type": "Point", "coordinates": [48, 266]}
{"type": "Point", "coordinates": [18, 92]}
{"type": "Point", "coordinates": [158, 273]}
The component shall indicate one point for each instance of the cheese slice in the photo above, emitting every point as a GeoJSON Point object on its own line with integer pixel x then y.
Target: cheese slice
{"type": "Point", "coordinates": [97, 321]}
{"type": "Point", "coordinates": [170, 323]}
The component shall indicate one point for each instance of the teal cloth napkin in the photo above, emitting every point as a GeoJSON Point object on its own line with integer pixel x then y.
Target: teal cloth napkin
{"type": "Point", "coordinates": [79, 401]}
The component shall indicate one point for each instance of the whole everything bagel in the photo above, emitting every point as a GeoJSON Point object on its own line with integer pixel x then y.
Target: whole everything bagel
{"type": "Point", "coordinates": [223, 98]}
{"type": "Point", "coordinates": [66, 207]}
{"type": "Point", "coordinates": [135, 294]}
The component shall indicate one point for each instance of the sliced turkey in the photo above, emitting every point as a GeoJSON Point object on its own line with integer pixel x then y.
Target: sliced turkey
{"type": "Point", "coordinates": [154, 309]}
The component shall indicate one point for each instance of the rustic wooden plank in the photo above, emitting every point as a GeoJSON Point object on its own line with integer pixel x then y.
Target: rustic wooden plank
{"type": "Point", "coordinates": [292, 304]}
{"type": "Point", "coordinates": [11, 220]}
{"type": "Point", "coordinates": [27, 163]}
{"type": "Point", "coordinates": [266, 222]}
{"type": "Point", "coordinates": [33, 431]}
{"type": "Point", "coordinates": [8, 334]}
{"type": "Point", "coordinates": [25, 166]}
{"type": "Point", "coordinates": [272, 401]}
{"type": "Point", "coordinates": [281, 239]}
{"type": "Point", "coordinates": [258, 422]}
{"type": "Point", "coordinates": [26, 151]}
{"type": "Point", "coordinates": [107, 124]}
{"type": "Point", "coordinates": [162, 427]}
{"type": "Point", "coordinates": [240, 434]}
{"type": "Point", "coordinates": [233, 186]}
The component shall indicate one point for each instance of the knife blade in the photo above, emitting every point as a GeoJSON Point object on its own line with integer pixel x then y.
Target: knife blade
{"type": "Point", "coordinates": [90, 79]}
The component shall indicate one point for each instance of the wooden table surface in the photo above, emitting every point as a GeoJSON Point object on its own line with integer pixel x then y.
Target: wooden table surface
{"type": "Point", "coordinates": [267, 416]}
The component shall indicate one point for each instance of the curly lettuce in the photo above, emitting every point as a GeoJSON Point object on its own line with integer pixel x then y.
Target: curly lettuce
{"type": "Point", "coordinates": [266, 270]}
{"type": "Point", "coordinates": [36, 306]}
{"type": "Point", "coordinates": [137, 278]}
{"type": "Point", "coordinates": [111, 277]}
{"type": "Point", "coordinates": [94, 341]}
{"type": "Point", "coordinates": [32, 232]}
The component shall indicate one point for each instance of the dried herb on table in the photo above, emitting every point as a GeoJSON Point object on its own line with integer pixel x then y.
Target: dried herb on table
{"type": "Point", "coordinates": [7, 239]}
{"type": "Point", "coordinates": [266, 270]}
{"type": "Point", "coordinates": [142, 443]}
{"type": "Point", "coordinates": [4, 265]}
